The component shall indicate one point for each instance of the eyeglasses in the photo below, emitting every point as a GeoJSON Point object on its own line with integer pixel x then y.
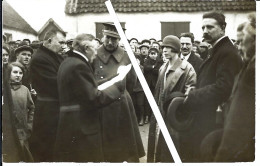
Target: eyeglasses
{"type": "Point", "coordinates": [152, 53]}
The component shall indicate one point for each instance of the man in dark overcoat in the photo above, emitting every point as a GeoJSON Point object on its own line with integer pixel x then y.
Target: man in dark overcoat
{"type": "Point", "coordinates": [238, 140]}
{"type": "Point", "coordinates": [121, 136]}
{"type": "Point", "coordinates": [215, 79]}
{"type": "Point", "coordinates": [79, 136]}
{"type": "Point", "coordinates": [187, 40]}
{"type": "Point", "coordinates": [44, 68]}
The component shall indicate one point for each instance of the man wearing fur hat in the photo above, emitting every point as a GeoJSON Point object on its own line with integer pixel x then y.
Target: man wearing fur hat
{"type": "Point", "coordinates": [121, 137]}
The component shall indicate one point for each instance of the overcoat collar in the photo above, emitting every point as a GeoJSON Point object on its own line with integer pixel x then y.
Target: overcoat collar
{"type": "Point", "coordinates": [174, 74]}
{"type": "Point", "coordinates": [51, 54]}
{"type": "Point", "coordinates": [178, 63]}
{"type": "Point", "coordinates": [221, 42]}
{"type": "Point", "coordinates": [104, 55]}
{"type": "Point", "coordinates": [78, 55]}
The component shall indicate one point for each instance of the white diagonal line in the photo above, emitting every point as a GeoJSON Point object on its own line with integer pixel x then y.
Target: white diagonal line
{"type": "Point", "coordinates": [144, 84]}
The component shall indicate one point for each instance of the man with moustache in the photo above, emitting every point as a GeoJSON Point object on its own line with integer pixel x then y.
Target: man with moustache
{"type": "Point", "coordinates": [235, 143]}
{"type": "Point", "coordinates": [79, 136]}
{"type": "Point", "coordinates": [121, 137]}
{"type": "Point", "coordinates": [215, 79]}
{"type": "Point", "coordinates": [44, 68]}
{"type": "Point", "coordinates": [186, 40]}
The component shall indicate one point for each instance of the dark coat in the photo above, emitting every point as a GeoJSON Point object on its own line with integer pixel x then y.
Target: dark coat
{"type": "Point", "coordinates": [195, 61]}
{"type": "Point", "coordinates": [121, 136]}
{"type": "Point", "coordinates": [238, 141]}
{"type": "Point", "coordinates": [151, 70]}
{"type": "Point", "coordinates": [11, 147]}
{"type": "Point", "coordinates": [79, 130]}
{"type": "Point", "coordinates": [180, 77]}
{"type": "Point", "coordinates": [214, 85]}
{"type": "Point", "coordinates": [44, 68]}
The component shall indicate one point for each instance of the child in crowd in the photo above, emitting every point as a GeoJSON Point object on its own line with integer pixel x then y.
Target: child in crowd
{"type": "Point", "coordinates": [23, 107]}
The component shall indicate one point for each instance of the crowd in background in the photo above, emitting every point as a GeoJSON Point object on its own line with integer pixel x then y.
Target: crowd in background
{"type": "Point", "coordinates": [173, 67]}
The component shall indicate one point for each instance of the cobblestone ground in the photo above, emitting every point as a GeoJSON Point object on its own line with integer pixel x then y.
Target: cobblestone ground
{"type": "Point", "coordinates": [144, 134]}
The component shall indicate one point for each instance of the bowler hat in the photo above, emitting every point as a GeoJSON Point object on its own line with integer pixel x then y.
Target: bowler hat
{"type": "Point", "coordinates": [110, 30]}
{"type": "Point", "coordinates": [178, 116]}
{"type": "Point", "coordinates": [23, 46]}
{"type": "Point", "coordinates": [173, 42]}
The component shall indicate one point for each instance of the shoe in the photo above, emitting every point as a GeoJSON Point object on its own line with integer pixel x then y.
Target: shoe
{"type": "Point", "coordinates": [141, 123]}
{"type": "Point", "coordinates": [146, 120]}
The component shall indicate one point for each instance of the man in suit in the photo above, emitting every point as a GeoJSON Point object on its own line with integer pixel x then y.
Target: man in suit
{"type": "Point", "coordinates": [194, 59]}
{"type": "Point", "coordinates": [79, 136]}
{"type": "Point", "coordinates": [215, 79]}
{"type": "Point", "coordinates": [44, 68]}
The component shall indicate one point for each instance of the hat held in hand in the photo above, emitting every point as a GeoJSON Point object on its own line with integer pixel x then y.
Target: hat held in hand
{"type": "Point", "coordinates": [178, 117]}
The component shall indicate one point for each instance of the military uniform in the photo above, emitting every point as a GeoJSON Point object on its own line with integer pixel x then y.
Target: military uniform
{"type": "Point", "coordinates": [121, 139]}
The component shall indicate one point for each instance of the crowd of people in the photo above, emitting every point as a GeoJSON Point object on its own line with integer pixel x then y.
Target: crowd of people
{"type": "Point", "coordinates": [80, 100]}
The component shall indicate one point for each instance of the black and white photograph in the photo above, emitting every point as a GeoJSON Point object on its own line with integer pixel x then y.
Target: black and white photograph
{"type": "Point", "coordinates": [129, 81]}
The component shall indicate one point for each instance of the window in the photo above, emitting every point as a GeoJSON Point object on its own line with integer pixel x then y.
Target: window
{"type": "Point", "coordinates": [9, 37]}
{"type": "Point", "coordinates": [99, 28]}
{"type": "Point", "coordinates": [174, 28]}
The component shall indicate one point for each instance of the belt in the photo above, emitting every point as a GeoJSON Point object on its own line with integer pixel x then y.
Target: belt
{"type": "Point", "coordinates": [70, 108]}
{"type": "Point", "coordinates": [45, 98]}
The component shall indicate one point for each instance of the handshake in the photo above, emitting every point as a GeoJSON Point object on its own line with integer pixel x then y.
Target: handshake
{"type": "Point", "coordinates": [122, 72]}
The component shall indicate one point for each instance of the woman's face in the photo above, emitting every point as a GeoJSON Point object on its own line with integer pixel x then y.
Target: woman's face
{"type": "Point", "coordinates": [5, 57]}
{"type": "Point", "coordinates": [16, 74]}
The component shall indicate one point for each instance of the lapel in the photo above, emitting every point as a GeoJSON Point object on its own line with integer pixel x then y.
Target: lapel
{"type": "Point", "coordinates": [174, 74]}
{"type": "Point", "coordinates": [192, 58]}
{"type": "Point", "coordinates": [212, 51]}
{"type": "Point", "coordinates": [104, 55]}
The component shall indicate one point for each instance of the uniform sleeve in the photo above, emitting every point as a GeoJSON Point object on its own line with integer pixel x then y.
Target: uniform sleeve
{"type": "Point", "coordinates": [86, 88]}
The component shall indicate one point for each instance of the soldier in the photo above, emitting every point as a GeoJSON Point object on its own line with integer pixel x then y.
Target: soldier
{"type": "Point", "coordinates": [121, 137]}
